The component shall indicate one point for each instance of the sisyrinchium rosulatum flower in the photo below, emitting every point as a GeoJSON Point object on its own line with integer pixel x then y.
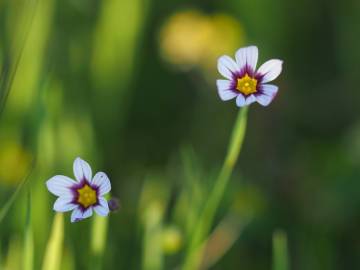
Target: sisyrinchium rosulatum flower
{"type": "Point", "coordinates": [83, 195]}
{"type": "Point", "coordinates": [244, 82]}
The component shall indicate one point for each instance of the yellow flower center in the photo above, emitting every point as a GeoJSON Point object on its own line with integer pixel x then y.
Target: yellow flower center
{"type": "Point", "coordinates": [246, 85]}
{"type": "Point", "coordinates": [87, 196]}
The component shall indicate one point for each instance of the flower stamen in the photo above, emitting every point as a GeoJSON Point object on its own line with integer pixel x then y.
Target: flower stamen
{"type": "Point", "coordinates": [246, 85]}
{"type": "Point", "coordinates": [87, 196]}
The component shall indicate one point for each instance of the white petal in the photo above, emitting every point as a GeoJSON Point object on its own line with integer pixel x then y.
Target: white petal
{"type": "Point", "coordinates": [240, 100]}
{"type": "Point", "coordinates": [268, 93]}
{"type": "Point", "coordinates": [223, 84]}
{"type": "Point", "coordinates": [102, 181]}
{"type": "Point", "coordinates": [88, 213]}
{"type": "Point", "coordinates": [224, 90]}
{"type": "Point", "coordinates": [227, 94]}
{"type": "Point", "coordinates": [270, 70]}
{"type": "Point", "coordinates": [263, 99]}
{"type": "Point", "coordinates": [227, 66]}
{"type": "Point", "coordinates": [78, 214]}
{"type": "Point", "coordinates": [250, 99]}
{"type": "Point", "coordinates": [64, 204]}
{"type": "Point", "coordinates": [269, 89]}
{"type": "Point", "coordinates": [247, 56]}
{"type": "Point", "coordinates": [60, 185]}
{"type": "Point", "coordinates": [102, 209]}
{"type": "Point", "coordinates": [82, 170]}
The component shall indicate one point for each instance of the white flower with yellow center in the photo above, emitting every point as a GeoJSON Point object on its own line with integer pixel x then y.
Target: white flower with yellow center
{"type": "Point", "coordinates": [83, 195]}
{"type": "Point", "coordinates": [244, 82]}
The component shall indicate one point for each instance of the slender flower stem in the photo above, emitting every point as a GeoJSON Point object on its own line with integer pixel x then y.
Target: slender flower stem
{"type": "Point", "coordinates": [194, 252]}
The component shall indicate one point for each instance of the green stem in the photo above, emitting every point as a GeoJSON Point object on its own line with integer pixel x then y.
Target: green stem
{"type": "Point", "coordinates": [98, 242]}
{"type": "Point", "coordinates": [54, 249]}
{"type": "Point", "coordinates": [28, 239]}
{"type": "Point", "coordinates": [203, 227]}
{"type": "Point", "coordinates": [5, 209]}
{"type": "Point", "coordinates": [280, 251]}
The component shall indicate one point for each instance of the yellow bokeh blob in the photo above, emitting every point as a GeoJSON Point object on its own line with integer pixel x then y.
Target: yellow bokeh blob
{"type": "Point", "coordinates": [15, 162]}
{"type": "Point", "coordinates": [192, 39]}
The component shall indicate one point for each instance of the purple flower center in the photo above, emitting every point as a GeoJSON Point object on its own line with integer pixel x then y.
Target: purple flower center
{"type": "Point", "coordinates": [246, 85]}
{"type": "Point", "coordinates": [85, 194]}
{"type": "Point", "coordinates": [246, 81]}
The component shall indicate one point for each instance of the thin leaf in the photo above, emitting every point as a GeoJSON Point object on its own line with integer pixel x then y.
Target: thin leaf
{"type": "Point", "coordinates": [202, 228]}
{"type": "Point", "coordinates": [5, 209]}
{"type": "Point", "coordinates": [280, 251]}
{"type": "Point", "coordinates": [10, 65]}
{"type": "Point", "coordinates": [98, 241]}
{"type": "Point", "coordinates": [54, 248]}
{"type": "Point", "coordinates": [29, 240]}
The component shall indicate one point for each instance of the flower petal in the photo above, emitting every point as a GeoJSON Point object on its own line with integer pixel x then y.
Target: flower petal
{"type": "Point", "coordinates": [270, 70]}
{"type": "Point", "coordinates": [227, 66]}
{"type": "Point", "coordinates": [269, 89]}
{"type": "Point", "coordinates": [223, 84]}
{"type": "Point", "coordinates": [102, 209]}
{"type": "Point", "coordinates": [88, 213]}
{"type": "Point", "coordinates": [60, 185]}
{"type": "Point", "coordinates": [224, 90]}
{"type": "Point", "coordinates": [247, 56]}
{"type": "Point", "coordinates": [269, 92]}
{"type": "Point", "coordinates": [82, 170]}
{"type": "Point", "coordinates": [250, 99]}
{"type": "Point", "coordinates": [78, 214]}
{"type": "Point", "coordinates": [240, 100]}
{"type": "Point", "coordinates": [102, 181]}
{"type": "Point", "coordinates": [227, 94]}
{"type": "Point", "coordinates": [64, 204]}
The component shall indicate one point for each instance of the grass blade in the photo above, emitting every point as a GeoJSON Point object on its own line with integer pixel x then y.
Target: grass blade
{"type": "Point", "coordinates": [10, 65]}
{"type": "Point", "coordinates": [4, 210]}
{"type": "Point", "coordinates": [29, 240]}
{"type": "Point", "coordinates": [202, 228]}
{"type": "Point", "coordinates": [152, 243]}
{"type": "Point", "coordinates": [280, 251]}
{"type": "Point", "coordinates": [53, 254]}
{"type": "Point", "coordinates": [98, 241]}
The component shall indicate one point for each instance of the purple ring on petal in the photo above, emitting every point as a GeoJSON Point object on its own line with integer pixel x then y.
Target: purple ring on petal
{"type": "Point", "coordinates": [83, 196]}
{"type": "Point", "coordinates": [75, 191]}
{"type": "Point", "coordinates": [244, 82]}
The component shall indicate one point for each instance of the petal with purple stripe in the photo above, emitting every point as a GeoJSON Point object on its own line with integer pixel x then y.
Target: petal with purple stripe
{"type": "Point", "coordinates": [102, 182]}
{"type": "Point", "coordinates": [102, 208]}
{"type": "Point", "coordinates": [227, 66]}
{"type": "Point", "coordinates": [82, 170]}
{"type": "Point", "coordinates": [268, 93]}
{"type": "Point", "coordinates": [224, 90]}
{"type": "Point", "coordinates": [247, 56]}
{"type": "Point", "coordinates": [78, 214]}
{"type": "Point", "coordinates": [60, 185]}
{"type": "Point", "coordinates": [223, 84]}
{"type": "Point", "coordinates": [270, 70]}
{"type": "Point", "coordinates": [64, 204]}
{"type": "Point", "coordinates": [240, 100]}
{"type": "Point", "coordinates": [250, 99]}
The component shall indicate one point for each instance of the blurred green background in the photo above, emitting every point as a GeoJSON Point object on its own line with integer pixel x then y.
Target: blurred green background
{"type": "Point", "coordinates": [129, 85]}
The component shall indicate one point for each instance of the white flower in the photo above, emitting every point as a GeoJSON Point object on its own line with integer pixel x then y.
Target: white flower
{"type": "Point", "coordinates": [83, 195]}
{"type": "Point", "coordinates": [244, 82]}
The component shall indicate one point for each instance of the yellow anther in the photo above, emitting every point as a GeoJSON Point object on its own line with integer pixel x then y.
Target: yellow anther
{"type": "Point", "coordinates": [87, 196]}
{"type": "Point", "coordinates": [246, 85]}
